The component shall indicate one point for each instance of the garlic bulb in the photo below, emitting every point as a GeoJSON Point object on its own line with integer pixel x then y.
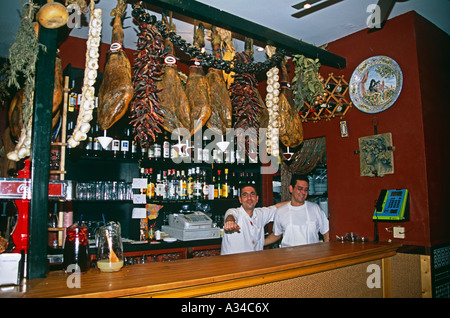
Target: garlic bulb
{"type": "Point", "coordinates": [272, 99]}
{"type": "Point", "coordinates": [90, 75]}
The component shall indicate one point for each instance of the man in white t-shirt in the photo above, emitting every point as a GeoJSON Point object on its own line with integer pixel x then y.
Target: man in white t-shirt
{"type": "Point", "coordinates": [244, 226]}
{"type": "Point", "coordinates": [299, 221]}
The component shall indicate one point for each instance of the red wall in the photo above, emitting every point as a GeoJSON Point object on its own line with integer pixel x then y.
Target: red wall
{"type": "Point", "coordinates": [351, 197]}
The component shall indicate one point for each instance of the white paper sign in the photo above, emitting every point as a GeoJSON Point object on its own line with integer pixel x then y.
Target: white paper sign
{"type": "Point", "coordinates": [139, 199]}
{"type": "Point", "coordinates": [139, 183]}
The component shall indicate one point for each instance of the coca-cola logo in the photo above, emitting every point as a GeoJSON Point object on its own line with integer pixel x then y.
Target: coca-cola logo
{"type": "Point", "coordinates": [23, 188]}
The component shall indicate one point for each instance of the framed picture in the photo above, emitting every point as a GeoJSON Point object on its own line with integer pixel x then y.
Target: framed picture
{"type": "Point", "coordinates": [376, 157]}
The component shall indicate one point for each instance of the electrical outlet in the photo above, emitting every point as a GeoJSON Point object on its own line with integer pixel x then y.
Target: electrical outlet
{"type": "Point", "coordinates": [399, 232]}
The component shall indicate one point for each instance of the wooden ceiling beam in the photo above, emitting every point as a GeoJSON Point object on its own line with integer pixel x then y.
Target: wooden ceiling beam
{"type": "Point", "coordinates": [250, 29]}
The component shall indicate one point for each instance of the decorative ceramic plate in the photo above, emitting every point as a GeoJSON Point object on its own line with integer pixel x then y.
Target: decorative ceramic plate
{"type": "Point", "coordinates": [376, 84]}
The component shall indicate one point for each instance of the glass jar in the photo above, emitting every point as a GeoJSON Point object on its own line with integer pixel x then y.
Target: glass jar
{"type": "Point", "coordinates": [109, 248]}
{"type": "Point", "coordinates": [76, 248]}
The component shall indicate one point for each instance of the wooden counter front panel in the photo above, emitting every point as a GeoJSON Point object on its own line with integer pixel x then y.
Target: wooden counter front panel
{"type": "Point", "coordinates": [202, 276]}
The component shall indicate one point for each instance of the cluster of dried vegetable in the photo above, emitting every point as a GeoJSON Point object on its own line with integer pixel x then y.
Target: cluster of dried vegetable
{"type": "Point", "coordinates": [23, 56]}
{"type": "Point", "coordinates": [85, 116]}
{"type": "Point", "coordinates": [145, 112]}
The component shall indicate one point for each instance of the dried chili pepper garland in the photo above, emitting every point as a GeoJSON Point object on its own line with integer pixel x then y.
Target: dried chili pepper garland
{"type": "Point", "coordinates": [206, 59]}
{"type": "Point", "coordinates": [145, 112]}
{"type": "Point", "coordinates": [244, 99]}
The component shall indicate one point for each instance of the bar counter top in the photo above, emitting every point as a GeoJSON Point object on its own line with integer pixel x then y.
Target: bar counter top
{"type": "Point", "coordinates": [205, 276]}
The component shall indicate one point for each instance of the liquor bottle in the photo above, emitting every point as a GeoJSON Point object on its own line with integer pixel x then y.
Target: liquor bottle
{"type": "Point", "coordinates": [125, 144]}
{"type": "Point", "coordinates": [166, 148]}
{"type": "Point", "coordinates": [157, 151]}
{"type": "Point", "coordinates": [150, 152]}
{"type": "Point", "coordinates": [70, 127]}
{"type": "Point", "coordinates": [205, 153]}
{"type": "Point", "coordinates": [143, 175]}
{"type": "Point", "coordinates": [234, 186]}
{"type": "Point", "coordinates": [170, 184]}
{"type": "Point", "coordinates": [115, 147]}
{"type": "Point", "coordinates": [205, 185]}
{"type": "Point", "coordinates": [96, 146]}
{"type": "Point", "coordinates": [159, 187]}
{"type": "Point", "coordinates": [88, 144]}
{"type": "Point", "coordinates": [144, 152]}
{"type": "Point", "coordinates": [190, 185]}
{"type": "Point", "coordinates": [225, 185]}
{"type": "Point", "coordinates": [198, 184]}
{"type": "Point", "coordinates": [165, 182]}
{"type": "Point", "coordinates": [134, 148]}
{"type": "Point", "coordinates": [218, 186]}
{"type": "Point", "coordinates": [174, 152]}
{"type": "Point", "coordinates": [212, 188]}
{"type": "Point", "coordinates": [182, 186]}
{"type": "Point", "coordinates": [176, 184]}
{"type": "Point", "coordinates": [150, 185]}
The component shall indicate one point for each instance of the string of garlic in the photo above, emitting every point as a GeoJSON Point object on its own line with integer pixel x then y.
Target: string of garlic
{"type": "Point", "coordinates": [90, 75]}
{"type": "Point", "coordinates": [23, 147]}
{"type": "Point", "coordinates": [272, 100]}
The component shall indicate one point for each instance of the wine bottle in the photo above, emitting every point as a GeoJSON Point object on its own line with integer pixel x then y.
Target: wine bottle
{"type": "Point", "coordinates": [218, 186]}
{"type": "Point", "coordinates": [190, 185]}
{"type": "Point", "coordinates": [198, 184]}
{"type": "Point", "coordinates": [182, 186]}
{"type": "Point", "coordinates": [225, 185]}
{"type": "Point", "coordinates": [205, 186]}
{"type": "Point", "coordinates": [150, 185]}
{"type": "Point", "coordinates": [166, 148]}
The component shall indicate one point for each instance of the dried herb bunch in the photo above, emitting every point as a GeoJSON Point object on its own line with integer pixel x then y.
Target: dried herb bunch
{"type": "Point", "coordinates": [307, 84]}
{"type": "Point", "coordinates": [23, 55]}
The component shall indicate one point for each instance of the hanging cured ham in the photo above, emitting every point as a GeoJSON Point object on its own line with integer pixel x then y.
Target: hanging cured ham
{"type": "Point", "coordinates": [221, 111]}
{"type": "Point", "coordinates": [291, 130]}
{"type": "Point", "coordinates": [116, 90]}
{"type": "Point", "coordinates": [173, 100]}
{"type": "Point", "coordinates": [227, 51]}
{"type": "Point", "coordinates": [197, 88]}
{"type": "Point", "coordinates": [16, 106]}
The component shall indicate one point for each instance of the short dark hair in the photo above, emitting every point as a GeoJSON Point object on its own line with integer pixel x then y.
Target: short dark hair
{"type": "Point", "coordinates": [246, 184]}
{"type": "Point", "coordinates": [301, 177]}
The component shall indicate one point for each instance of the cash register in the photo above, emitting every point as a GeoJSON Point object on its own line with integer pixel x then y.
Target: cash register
{"type": "Point", "coordinates": [191, 226]}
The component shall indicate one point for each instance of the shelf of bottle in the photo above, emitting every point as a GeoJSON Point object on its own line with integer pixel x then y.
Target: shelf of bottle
{"type": "Point", "coordinates": [79, 154]}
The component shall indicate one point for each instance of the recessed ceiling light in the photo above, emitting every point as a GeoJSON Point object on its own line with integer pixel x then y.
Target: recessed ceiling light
{"type": "Point", "coordinates": [307, 6]}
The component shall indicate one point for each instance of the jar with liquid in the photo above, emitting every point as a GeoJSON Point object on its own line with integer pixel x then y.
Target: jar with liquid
{"type": "Point", "coordinates": [109, 248]}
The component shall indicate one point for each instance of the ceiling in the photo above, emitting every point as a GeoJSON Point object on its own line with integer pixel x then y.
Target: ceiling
{"type": "Point", "coordinates": [318, 28]}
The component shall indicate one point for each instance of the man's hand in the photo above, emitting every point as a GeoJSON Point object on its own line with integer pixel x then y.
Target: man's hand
{"type": "Point", "coordinates": [230, 224]}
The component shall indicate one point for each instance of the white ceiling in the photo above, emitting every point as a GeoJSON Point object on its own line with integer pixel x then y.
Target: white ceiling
{"type": "Point", "coordinates": [318, 28]}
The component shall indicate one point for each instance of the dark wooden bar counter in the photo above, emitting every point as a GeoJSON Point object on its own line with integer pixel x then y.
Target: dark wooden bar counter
{"type": "Point", "coordinates": [211, 275]}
